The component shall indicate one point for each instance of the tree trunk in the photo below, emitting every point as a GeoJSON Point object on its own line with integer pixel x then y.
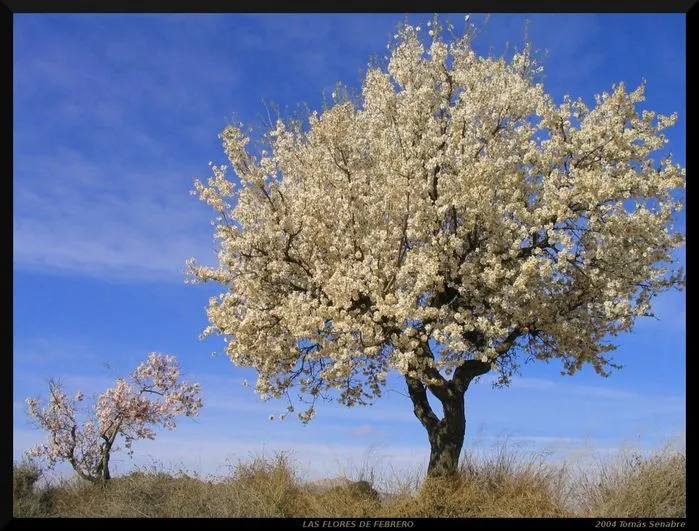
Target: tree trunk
{"type": "Point", "coordinates": [447, 439]}
{"type": "Point", "coordinates": [105, 467]}
{"type": "Point", "coordinates": [446, 435]}
{"type": "Point", "coordinates": [102, 472]}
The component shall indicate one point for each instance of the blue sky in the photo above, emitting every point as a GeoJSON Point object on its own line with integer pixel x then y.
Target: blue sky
{"type": "Point", "coordinates": [114, 115]}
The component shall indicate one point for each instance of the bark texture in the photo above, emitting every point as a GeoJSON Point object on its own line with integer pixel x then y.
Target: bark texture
{"type": "Point", "coordinates": [446, 435]}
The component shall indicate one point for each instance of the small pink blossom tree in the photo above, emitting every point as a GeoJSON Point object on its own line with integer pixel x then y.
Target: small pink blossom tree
{"type": "Point", "coordinates": [152, 396]}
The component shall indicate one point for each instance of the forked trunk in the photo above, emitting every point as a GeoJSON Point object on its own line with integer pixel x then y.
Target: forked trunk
{"type": "Point", "coordinates": [446, 435]}
{"type": "Point", "coordinates": [102, 472]}
{"type": "Point", "coordinates": [447, 439]}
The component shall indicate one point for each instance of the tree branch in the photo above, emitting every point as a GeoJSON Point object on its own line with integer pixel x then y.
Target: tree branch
{"type": "Point", "coordinates": [439, 386]}
{"type": "Point", "coordinates": [471, 369]}
{"type": "Point", "coordinates": [467, 371]}
{"type": "Point", "coordinates": [421, 406]}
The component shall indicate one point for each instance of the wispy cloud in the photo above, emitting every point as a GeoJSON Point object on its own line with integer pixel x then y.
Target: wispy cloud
{"type": "Point", "coordinates": [366, 430]}
{"type": "Point", "coordinates": [115, 222]}
{"type": "Point", "coordinates": [106, 195]}
{"type": "Point", "coordinates": [670, 309]}
{"type": "Point", "coordinates": [564, 387]}
{"type": "Point", "coordinates": [49, 350]}
{"type": "Point", "coordinates": [592, 391]}
{"type": "Point", "coordinates": [529, 383]}
{"type": "Point", "coordinates": [103, 196]}
{"type": "Point", "coordinates": [38, 383]}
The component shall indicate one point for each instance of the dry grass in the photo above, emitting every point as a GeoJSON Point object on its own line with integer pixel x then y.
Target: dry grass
{"type": "Point", "coordinates": [507, 484]}
{"type": "Point", "coordinates": [257, 488]}
{"type": "Point", "coordinates": [632, 486]}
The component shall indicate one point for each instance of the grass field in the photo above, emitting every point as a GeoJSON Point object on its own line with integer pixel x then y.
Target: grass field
{"type": "Point", "coordinates": [503, 484]}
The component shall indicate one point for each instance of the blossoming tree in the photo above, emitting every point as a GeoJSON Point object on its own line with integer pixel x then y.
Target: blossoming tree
{"type": "Point", "coordinates": [153, 396]}
{"type": "Point", "coordinates": [449, 221]}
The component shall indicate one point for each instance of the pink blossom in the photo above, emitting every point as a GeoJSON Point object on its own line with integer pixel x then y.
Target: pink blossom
{"type": "Point", "coordinates": [153, 396]}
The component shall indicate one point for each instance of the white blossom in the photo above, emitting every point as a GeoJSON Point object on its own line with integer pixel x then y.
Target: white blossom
{"type": "Point", "coordinates": [455, 205]}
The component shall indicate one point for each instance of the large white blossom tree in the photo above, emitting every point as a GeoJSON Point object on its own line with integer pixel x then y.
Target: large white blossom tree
{"type": "Point", "coordinates": [450, 220]}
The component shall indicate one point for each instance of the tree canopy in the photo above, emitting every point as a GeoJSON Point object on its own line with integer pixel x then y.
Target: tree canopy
{"type": "Point", "coordinates": [450, 220]}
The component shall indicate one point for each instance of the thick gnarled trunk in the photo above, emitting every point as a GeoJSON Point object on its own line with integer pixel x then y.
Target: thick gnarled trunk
{"type": "Point", "coordinates": [447, 438]}
{"type": "Point", "coordinates": [446, 435]}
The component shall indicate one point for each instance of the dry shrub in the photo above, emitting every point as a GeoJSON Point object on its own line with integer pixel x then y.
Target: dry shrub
{"type": "Point", "coordinates": [264, 487]}
{"type": "Point", "coordinates": [354, 499]}
{"type": "Point", "coordinates": [27, 500]}
{"type": "Point", "coordinates": [633, 486]}
{"type": "Point", "coordinates": [505, 485]}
